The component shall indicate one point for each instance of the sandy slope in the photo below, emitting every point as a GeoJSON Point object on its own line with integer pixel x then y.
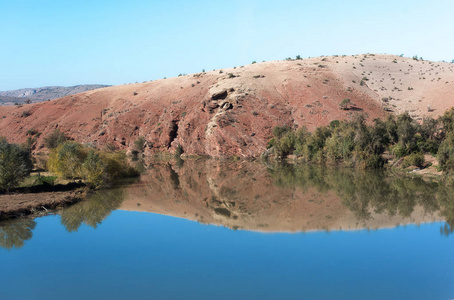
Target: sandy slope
{"type": "Point", "coordinates": [232, 111]}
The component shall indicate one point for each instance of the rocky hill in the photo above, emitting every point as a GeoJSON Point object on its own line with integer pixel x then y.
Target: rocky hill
{"type": "Point", "coordinates": [35, 95]}
{"type": "Point", "coordinates": [232, 111]}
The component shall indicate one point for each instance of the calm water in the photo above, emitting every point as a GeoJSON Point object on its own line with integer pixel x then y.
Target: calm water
{"type": "Point", "coordinates": [240, 230]}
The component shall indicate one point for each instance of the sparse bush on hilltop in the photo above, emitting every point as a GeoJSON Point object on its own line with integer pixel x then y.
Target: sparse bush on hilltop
{"type": "Point", "coordinates": [26, 113]}
{"type": "Point", "coordinates": [345, 104]}
{"type": "Point", "coordinates": [32, 132]}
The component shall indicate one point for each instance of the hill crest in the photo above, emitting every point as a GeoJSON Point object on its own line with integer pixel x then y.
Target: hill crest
{"type": "Point", "coordinates": [232, 111]}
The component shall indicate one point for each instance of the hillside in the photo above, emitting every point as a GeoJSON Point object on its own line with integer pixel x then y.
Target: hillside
{"type": "Point", "coordinates": [43, 93]}
{"type": "Point", "coordinates": [232, 111]}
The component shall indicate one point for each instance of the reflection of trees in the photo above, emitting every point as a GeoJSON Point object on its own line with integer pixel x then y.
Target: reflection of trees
{"type": "Point", "coordinates": [13, 233]}
{"type": "Point", "coordinates": [174, 178]}
{"type": "Point", "coordinates": [93, 210]}
{"type": "Point", "coordinates": [446, 199]}
{"type": "Point", "coordinates": [366, 191]}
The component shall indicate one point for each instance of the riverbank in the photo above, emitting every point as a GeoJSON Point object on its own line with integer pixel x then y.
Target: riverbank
{"type": "Point", "coordinates": [22, 204]}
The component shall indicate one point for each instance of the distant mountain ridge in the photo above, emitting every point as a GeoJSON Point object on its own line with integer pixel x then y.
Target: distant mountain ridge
{"type": "Point", "coordinates": [44, 93]}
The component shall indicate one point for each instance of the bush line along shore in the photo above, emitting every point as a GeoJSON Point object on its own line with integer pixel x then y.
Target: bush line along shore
{"type": "Point", "coordinates": [354, 143]}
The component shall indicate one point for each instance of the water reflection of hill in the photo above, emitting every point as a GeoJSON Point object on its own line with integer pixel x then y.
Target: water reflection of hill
{"type": "Point", "coordinates": [252, 196]}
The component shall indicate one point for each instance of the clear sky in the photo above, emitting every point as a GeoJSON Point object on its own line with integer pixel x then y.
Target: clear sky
{"type": "Point", "coordinates": [62, 42]}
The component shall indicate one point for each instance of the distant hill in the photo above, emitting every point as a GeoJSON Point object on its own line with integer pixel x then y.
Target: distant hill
{"type": "Point", "coordinates": [35, 95]}
{"type": "Point", "coordinates": [233, 111]}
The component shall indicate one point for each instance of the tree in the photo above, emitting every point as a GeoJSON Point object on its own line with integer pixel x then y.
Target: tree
{"type": "Point", "coordinates": [66, 160]}
{"type": "Point", "coordinates": [406, 131]}
{"type": "Point", "coordinates": [54, 139]}
{"type": "Point", "coordinates": [72, 160]}
{"type": "Point", "coordinates": [15, 164]}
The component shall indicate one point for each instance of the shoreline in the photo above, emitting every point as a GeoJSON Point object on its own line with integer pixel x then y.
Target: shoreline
{"type": "Point", "coordinates": [24, 204]}
{"type": "Point", "coordinates": [27, 201]}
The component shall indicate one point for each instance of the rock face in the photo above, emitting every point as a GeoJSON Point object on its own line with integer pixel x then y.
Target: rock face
{"type": "Point", "coordinates": [232, 111]}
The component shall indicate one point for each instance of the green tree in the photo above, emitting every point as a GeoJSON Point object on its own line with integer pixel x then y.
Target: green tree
{"type": "Point", "coordinates": [54, 139]}
{"type": "Point", "coordinates": [15, 164]}
{"type": "Point", "coordinates": [66, 160]}
{"type": "Point", "coordinates": [72, 160]}
{"type": "Point", "coordinates": [406, 131]}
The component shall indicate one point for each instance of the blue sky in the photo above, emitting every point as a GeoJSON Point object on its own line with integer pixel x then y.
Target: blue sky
{"type": "Point", "coordinates": [114, 42]}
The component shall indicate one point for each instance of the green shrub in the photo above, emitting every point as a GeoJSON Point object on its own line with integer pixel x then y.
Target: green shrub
{"type": "Point", "coordinates": [374, 162]}
{"type": "Point", "coordinates": [32, 132]}
{"type": "Point", "coordinates": [279, 131]}
{"type": "Point", "coordinates": [345, 104]}
{"type": "Point", "coordinates": [430, 146]}
{"type": "Point", "coordinates": [71, 160]}
{"type": "Point", "coordinates": [398, 151]}
{"type": "Point", "coordinates": [333, 124]}
{"type": "Point", "coordinates": [15, 164]}
{"type": "Point", "coordinates": [40, 180]}
{"type": "Point", "coordinates": [414, 159]}
{"type": "Point", "coordinates": [54, 139]}
{"type": "Point", "coordinates": [66, 160]}
{"type": "Point", "coordinates": [93, 169]}
{"type": "Point", "coordinates": [139, 144]}
{"type": "Point", "coordinates": [26, 113]}
{"type": "Point", "coordinates": [446, 153]}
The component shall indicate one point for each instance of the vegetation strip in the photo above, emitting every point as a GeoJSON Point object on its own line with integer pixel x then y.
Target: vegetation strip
{"type": "Point", "coordinates": [355, 143]}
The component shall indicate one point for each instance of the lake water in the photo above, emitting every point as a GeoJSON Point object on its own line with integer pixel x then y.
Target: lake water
{"type": "Point", "coordinates": [239, 230]}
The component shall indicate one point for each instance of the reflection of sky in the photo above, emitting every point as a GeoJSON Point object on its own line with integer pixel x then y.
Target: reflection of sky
{"type": "Point", "coordinates": [146, 256]}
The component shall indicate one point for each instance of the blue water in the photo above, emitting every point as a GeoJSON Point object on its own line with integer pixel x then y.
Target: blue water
{"type": "Point", "coordinates": [134, 255]}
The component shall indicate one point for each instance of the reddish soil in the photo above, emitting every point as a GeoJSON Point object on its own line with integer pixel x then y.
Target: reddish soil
{"type": "Point", "coordinates": [233, 112]}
